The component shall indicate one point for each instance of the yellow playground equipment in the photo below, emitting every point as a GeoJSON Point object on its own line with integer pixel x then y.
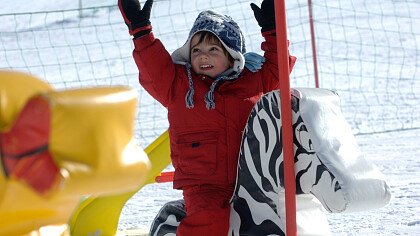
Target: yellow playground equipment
{"type": "Point", "coordinates": [69, 161]}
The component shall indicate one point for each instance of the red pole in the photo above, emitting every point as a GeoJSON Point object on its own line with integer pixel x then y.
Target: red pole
{"type": "Point", "coordinates": [286, 117]}
{"type": "Point", "coordinates": [311, 24]}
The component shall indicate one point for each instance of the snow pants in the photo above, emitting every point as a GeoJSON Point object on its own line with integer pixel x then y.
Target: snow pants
{"type": "Point", "coordinates": [208, 211]}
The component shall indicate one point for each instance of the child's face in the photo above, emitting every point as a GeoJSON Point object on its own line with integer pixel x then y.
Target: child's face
{"type": "Point", "coordinates": [208, 57]}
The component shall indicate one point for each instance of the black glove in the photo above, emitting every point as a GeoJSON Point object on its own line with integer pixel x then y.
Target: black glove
{"type": "Point", "coordinates": [265, 15]}
{"type": "Point", "coordinates": [137, 19]}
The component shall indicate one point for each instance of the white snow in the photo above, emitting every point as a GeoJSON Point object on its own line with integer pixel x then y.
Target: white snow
{"type": "Point", "coordinates": [394, 153]}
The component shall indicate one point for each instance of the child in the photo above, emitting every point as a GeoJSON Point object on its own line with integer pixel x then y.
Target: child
{"type": "Point", "coordinates": [209, 89]}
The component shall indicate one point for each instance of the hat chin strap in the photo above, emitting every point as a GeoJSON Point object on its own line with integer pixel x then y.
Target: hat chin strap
{"type": "Point", "coordinates": [227, 72]}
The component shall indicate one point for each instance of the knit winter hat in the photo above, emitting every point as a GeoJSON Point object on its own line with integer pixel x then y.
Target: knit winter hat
{"type": "Point", "coordinates": [225, 28]}
{"type": "Point", "coordinates": [229, 34]}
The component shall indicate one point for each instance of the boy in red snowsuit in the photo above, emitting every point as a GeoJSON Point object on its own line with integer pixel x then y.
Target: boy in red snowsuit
{"type": "Point", "coordinates": [209, 88]}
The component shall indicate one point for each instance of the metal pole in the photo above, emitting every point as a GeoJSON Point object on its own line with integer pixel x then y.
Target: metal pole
{"type": "Point", "coordinates": [286, 118]}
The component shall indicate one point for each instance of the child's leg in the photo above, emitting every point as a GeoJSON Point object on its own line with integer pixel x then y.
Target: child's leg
{"type": "Point", "coordinates": [207, 209]}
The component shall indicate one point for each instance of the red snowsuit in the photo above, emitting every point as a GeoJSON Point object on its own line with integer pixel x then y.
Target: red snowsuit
{"type": "Point", "coordinates": [204, 143]}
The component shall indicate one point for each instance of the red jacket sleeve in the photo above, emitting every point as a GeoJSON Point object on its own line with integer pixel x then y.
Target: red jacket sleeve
{"type": "Point", "coordinates": [156, 69]}
{"type": "Point", "coordinates": [270, 68]}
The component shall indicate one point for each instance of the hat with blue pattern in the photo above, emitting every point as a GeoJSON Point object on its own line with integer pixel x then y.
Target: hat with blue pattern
{"type": "Point", "coordinates": [225, 28]}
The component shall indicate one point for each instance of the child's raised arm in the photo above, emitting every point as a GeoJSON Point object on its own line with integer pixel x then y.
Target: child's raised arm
{"type": "Point", "coordinates": [156, 69]}
{"type": "Point", "coordinates": [265, 16]}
